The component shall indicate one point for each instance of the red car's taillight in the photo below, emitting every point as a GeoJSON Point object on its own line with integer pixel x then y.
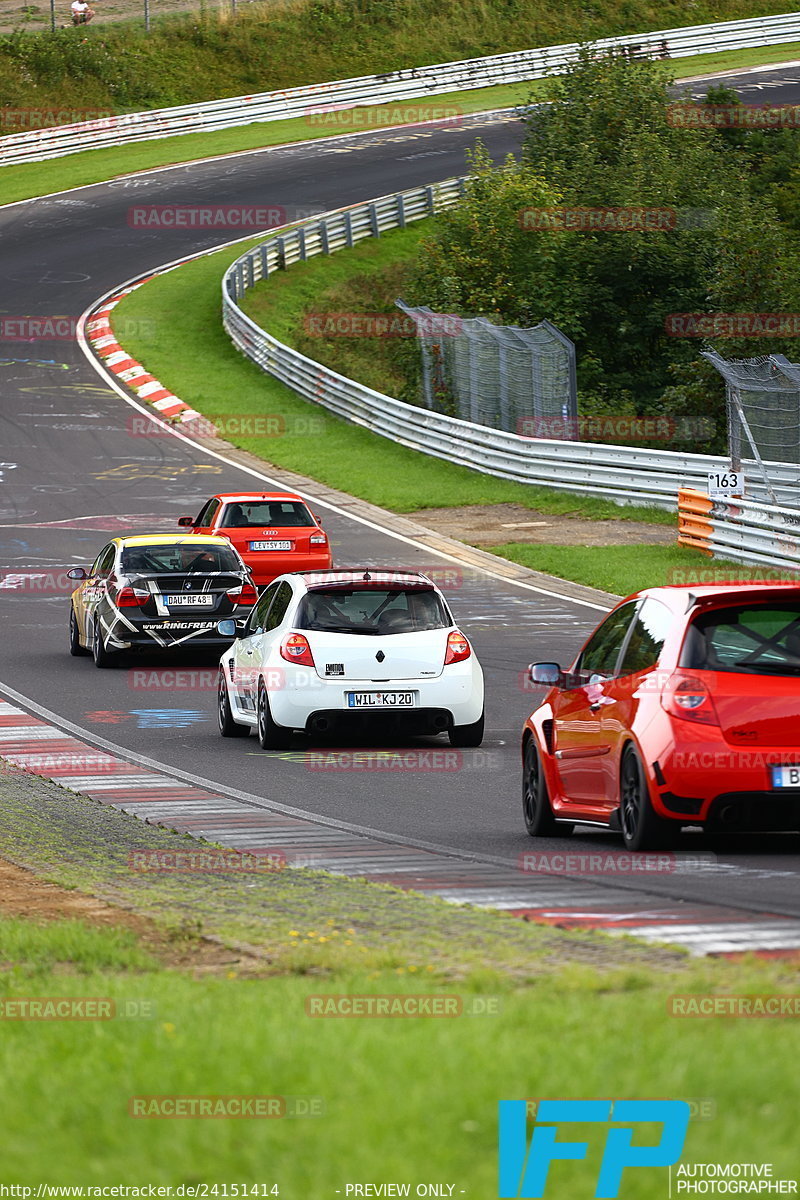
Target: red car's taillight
{"type": "Point", "coordinates": [295, 648]}
{"type": "Point", "coordinates": [318, 539]}
{"type": "Point", "coordinates": [458, 648]}
{"type": "Point", "coordinates": [688, 697]}
{"type": "Point", "coordinates": [246, 594]}
{"type": "Point", "coordinates": [129, 597]}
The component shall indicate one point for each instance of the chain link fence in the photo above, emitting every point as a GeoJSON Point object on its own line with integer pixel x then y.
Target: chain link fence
{"type": "Point", "coordinates": [519, 380]}
{"type": "Point", "coordinates": [763, 408]}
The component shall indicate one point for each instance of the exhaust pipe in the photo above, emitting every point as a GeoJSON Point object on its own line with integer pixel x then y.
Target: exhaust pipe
{"type": "Point", "coordinates": [440, 722]}
{"type": "Point", "coordinates": [321, 724]}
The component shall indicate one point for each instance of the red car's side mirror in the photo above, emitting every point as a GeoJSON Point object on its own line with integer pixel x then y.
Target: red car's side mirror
{"type": "Point", "coordinates": [546, 674]}
{"type": "Point", "coordinates": [186, 521]}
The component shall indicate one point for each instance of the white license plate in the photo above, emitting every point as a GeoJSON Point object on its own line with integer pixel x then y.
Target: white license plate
{"type": "Point", "coordinates": [271, 545]}
{"type": "Point", "coordinates": [786, 777]}
{"type": "Point", "coordinates": [380, 699]}
{"type": "Point", "coordinates": [189, 601]}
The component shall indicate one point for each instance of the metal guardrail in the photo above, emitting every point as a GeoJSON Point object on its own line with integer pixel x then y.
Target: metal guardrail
{"type": "Point", "coordinates": [522, 65]}
{"type": "Point", "coordinates": [627, 474]}
{"type": "Point", "coordinates": [741, 530]}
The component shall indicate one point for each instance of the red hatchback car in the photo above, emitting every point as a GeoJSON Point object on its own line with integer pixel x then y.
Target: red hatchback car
{"type": "Point", "coordinates": [274, 532]}
{"type": "Point", "coordinates": [682, 708]}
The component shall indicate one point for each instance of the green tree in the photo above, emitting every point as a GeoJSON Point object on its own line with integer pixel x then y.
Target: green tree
{"type": "Point", "coordinates": [716, 242]}
{"type": "Point", "coordinates": [480, 260]}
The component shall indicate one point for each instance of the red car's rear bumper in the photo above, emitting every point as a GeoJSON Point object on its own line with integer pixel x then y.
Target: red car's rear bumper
{"type": "Point", "coordinates": [714, 783]}
{"type": "Point", "coordinates": [264, 567]}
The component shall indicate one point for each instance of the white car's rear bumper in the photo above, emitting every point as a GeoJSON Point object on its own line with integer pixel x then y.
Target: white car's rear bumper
{"type": "Point", "coordinates": [297, 696]}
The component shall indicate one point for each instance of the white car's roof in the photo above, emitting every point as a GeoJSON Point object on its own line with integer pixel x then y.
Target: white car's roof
{"type": "Point", "coordinates": [365, 577]}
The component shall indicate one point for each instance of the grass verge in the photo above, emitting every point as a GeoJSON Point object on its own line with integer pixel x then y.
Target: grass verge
{"type": "Point", "coordinates": [438, 1080]}
{"type": "Point", "coordinates": [181, 341]}
{"type": "Point", "coordinates": [621, 570]}
{"type": "Point", "coordinates": [94, 166]}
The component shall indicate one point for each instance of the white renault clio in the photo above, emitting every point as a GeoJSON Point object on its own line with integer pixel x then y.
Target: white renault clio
{"type": "Point", "coordinates": [343, 651]}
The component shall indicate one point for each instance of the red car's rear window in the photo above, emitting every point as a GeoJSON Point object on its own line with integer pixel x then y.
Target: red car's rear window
{"type": "Point", "coordinates": [247, 514]}
{"type": "Point", "coordinates": [761, 639]}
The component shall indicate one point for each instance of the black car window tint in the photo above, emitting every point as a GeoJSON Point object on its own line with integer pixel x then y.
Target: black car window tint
{"type": "Point", "coordinates": [646, 640]}
{"type": "Point", "coordinates": [104, 561]}
{"type": "Point", "coordinates": [255, 622]}
{"type": "Point", "coordinates": [200, 519]}
{"type": "Point", "coordinates": [756, 639]}
{"type": "Point", "coordinates": [372, 611]}
{"type": "Point", "coordinates": [601, 652]}
{"type": "Point", "coordinates": [235, 516]}
{"type": "Point", "coordinates": [182, 558]}
{"type": "Point", "coordinates": [279, 606]}
{"type": "Point", "coordinates": [290, 513]}
{"type": "Point", "coordinates": [248, 516]}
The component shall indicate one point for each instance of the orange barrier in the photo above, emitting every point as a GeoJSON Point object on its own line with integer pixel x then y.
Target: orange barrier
{"type": "Point", "coordinates": [694, 523]}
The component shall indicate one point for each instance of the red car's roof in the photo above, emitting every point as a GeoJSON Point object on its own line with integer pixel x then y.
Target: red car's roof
{"type": "Point", "coordinates": [257, 496]}
{"type": "Point", "coordinates": [689, 594]}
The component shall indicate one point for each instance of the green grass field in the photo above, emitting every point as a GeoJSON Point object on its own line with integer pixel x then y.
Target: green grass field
{"type": "Point", "coordinates": [545, 1012]}
{"type": "Point", "coordinates": [404, 1099]}
{"type": "Point", "coordinates": [94, 166]}
{"type": "Point", "coordinates": [622, 569]}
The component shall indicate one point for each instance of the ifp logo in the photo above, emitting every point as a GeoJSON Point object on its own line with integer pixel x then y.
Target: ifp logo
{"type": "Point", "coordinates": [524, 1169]}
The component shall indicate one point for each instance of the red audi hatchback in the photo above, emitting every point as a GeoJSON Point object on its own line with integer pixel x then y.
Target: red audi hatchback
{"type": "Point", "coordinates": [682, 708]}
{"type": "Point", "coordinates": [274, 532]}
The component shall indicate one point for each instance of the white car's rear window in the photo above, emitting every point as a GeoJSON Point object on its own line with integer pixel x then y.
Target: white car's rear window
{"type": "Point", "coordinates": [372, 610]}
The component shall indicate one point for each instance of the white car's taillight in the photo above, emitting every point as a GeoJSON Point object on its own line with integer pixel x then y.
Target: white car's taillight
{"type": "Point", "coordinates": [295, 648]}
{"type": "Point", "coordinates": [458, 648]}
